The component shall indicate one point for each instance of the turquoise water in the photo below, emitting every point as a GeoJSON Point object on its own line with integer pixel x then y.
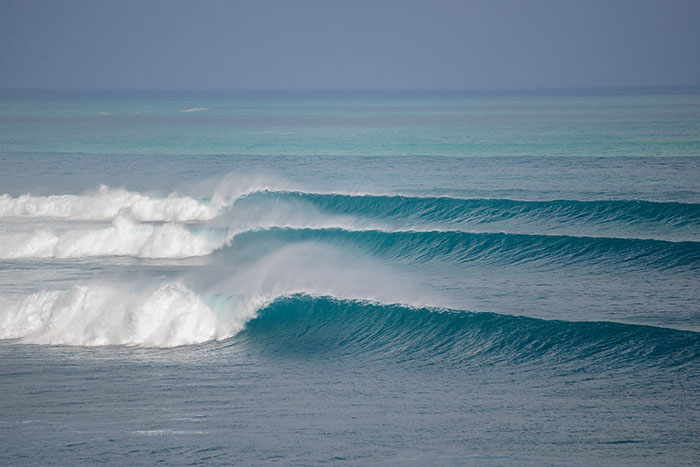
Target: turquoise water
{"type": "Point", "coordinates": [313, 124]}
{"type": "Point", "coordinates": [406, 278]}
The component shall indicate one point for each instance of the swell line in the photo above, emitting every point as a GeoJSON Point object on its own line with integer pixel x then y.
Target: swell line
{"type": "Point", "coordinates": [484, 210]}
{"type": "Point", "coordinates": [496, 248]}
{"type": "Point", "coordinates": [312, 325]}
{"type": "Point", "coordinates": [171, 314]}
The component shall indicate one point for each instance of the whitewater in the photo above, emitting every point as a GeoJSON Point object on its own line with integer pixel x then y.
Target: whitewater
{"type": "Point", "coordinates": [286, 283]}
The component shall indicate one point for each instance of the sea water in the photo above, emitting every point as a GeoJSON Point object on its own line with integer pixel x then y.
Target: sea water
{"type": "Point", "coordinates": [350, 278]}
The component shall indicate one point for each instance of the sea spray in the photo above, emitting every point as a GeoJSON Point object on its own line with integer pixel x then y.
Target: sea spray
{"type": "Point", "coordinates": [166, 315]}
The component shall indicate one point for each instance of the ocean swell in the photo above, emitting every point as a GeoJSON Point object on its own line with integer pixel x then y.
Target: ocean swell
{"type": "Point", "coordinates": [326, 326]}
{"type": "Point", "coordinates": [490, 248]}
{"type": "Point", "coordinates": [653, 218]}
{"type": "Point", "coordinates": [172, 314]}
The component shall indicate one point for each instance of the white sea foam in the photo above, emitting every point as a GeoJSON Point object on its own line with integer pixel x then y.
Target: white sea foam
{"type": "Point", "coordinates": [196, 109]}
{"type": "Point", "coordinates": [105, 203]}
{"type": "Point", "coordinates": [124, 238]}
{"type": "Point", "coordinates": [167, 316]}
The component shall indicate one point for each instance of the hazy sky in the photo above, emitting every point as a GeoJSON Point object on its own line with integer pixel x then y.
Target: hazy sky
{"type": "Point", "coordinates": [352, 44]}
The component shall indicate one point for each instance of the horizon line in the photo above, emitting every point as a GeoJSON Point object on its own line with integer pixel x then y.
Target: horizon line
{"type": "Point", "coordinates": [360, 90]}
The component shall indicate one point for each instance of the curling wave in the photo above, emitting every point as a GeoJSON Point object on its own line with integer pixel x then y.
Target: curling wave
{"type": "Point", "coordinates": [496, 248]}
{"type": "Point", "coordinates": [444, 209]}
{"type": "Point", "coordinates": [322, 326]}
{"type": "Point", "coordinates": [308, 325]}
{"type": "Point", "coordinates": [655, 219]}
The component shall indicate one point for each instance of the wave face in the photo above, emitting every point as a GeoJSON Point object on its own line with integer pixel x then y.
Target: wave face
{"type": "Point", "coordinates": [323, 326]}
{"type": "Point", "coordinates": [446, 209]}
{"type": "Point", "coordinates": [491, 248]}
{"type": "Point", "coordinates": [171, 314]}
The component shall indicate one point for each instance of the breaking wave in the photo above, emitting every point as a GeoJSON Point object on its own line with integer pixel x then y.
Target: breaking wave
{"type": "Point", "coordinates": [495, 248]}
{"type": "Point", "coordinates": [173, 315]}
{"type": "Point", "coordinates": [106, 203]}
{"type": "Point", "coordinates": [88, 315]}
{"type": "Point", "coordinates": [660, 220]}
{"type": "Point", "coordinates": [309, 325]}
{"type": "Point", "coordinates": [124, 238]}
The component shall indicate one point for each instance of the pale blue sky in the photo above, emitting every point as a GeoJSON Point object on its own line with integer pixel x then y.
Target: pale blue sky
{"type": "Point", "coordinates": [315, 44]}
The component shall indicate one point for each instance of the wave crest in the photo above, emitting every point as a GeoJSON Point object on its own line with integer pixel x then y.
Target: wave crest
{"type": "Point", "coordinates": [171, 315]}
{"type": "Point", "coordinates": [106, 203]}
{"type": "Point", "coordinates": [124, 238]}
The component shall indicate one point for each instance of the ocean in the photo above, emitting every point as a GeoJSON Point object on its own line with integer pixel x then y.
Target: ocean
{"type": "Point", "coordinates": [351, 278]}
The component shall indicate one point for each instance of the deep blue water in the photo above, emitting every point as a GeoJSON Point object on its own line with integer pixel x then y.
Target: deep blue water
{"type": "Point", "coordinates": [410, 278]}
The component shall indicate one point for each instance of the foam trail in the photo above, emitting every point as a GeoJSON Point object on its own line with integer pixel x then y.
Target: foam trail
{"type": "Point", "coordinates": [167, 316]}
{"type": "Point", "coordinates": [123, 238]}
{"type": "Point", "coordinates": [196, 109]}
{"type": "Point", "coordinates": [106, 203]}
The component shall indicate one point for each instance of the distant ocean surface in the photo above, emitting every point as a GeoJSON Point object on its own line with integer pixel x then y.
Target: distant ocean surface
{"type": "Point", "coordinates": [350, 278]}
